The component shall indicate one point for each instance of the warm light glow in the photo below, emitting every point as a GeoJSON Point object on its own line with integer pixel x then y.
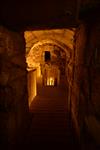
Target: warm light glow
{"type": "Point", "coordinates": [32, 86]}
{"type": "Point", "coordinates": [38, 71]}
{"type": "Point", "coordinates": [65, 36]}
{"type": "Point", "coordinates": [50, 81]}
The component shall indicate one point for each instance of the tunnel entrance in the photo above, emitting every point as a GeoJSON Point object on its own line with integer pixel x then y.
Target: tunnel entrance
{"type": "Point", "coordinates": [48, 52]}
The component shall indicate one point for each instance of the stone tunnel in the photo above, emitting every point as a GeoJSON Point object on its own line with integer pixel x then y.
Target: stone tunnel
{"type": "Point", "coordinates": [69, 56]}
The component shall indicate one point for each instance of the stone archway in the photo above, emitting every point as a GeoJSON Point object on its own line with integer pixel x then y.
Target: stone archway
{"type": "Point", "coordinates": [57, 49]}
{"type": "Point", "coordinates": [45, 40]}
{"type": "Point", "coordinates": [62, 38]}
{"type": "Point", "coordinates": [54, 68]}
{"type": "Point", "coordinates": [59, 54]}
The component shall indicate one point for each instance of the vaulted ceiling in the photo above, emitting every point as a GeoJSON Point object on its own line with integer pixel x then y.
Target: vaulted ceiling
{"type": "Point", "coordinates": [48, 40]}
{"type": "Point", "coordinates": [61, 37]}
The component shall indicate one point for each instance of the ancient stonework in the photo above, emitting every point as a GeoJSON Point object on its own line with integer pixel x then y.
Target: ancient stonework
{"type": "Point", "coordinates": [59, 42]}
{"type": "Point", "coordinates": [84, 80]}
{"type": "Point", "coordinates": [13, 85]}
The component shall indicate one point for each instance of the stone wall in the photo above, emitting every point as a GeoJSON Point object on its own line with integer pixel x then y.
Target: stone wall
{"type": "Point", "coordinates": [80, 85]}
{"type": "Point", "coordinates": [74, 73]}
{"type": "Point", "coordinates": [92, 115]}
{"type": "Point", "coordinates": [32, 85]}
{"type": "Point", "coordinates": [13, 86]}
{"type": "Point", "coordinates": [76, 76]}
{"type": "Point", "coordinates": [84, 86]}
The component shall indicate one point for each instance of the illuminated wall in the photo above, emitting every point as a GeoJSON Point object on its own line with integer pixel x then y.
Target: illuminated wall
{"type": "Point", "coordinates": [38, 71]}
{"type": "Point", "coordinates": [59, 42]}
{"type": "Point", "coordinates": [40, 37]}
{"type": "Point", "coordinates": [32, 85]}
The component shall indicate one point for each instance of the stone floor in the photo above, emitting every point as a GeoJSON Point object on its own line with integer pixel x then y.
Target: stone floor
{"type": "Point", "coordinates": [50, 127]}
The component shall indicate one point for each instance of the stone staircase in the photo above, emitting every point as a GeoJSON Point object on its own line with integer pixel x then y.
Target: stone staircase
{"type": "Point", "coordinates": [50, 127]}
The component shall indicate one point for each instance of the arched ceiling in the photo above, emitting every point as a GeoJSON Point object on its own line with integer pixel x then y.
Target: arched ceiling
{"type": "Point", "coordinates": [64, 36]}
{"type": "Point", "coordinates": [52, 42]}
{"type": "Point", "coordinates": [36, 57]}
{"type": "Point", "coordinates": [55, 39]}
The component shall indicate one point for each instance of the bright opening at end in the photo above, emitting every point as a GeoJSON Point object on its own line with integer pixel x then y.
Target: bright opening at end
{"type": "Point", "coordinates": [50, 81]}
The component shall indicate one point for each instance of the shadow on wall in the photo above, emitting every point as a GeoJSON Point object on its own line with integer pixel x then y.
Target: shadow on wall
{"type": "Point", "coordinates": [13, 87]}
{"type": "Point", "coordinates": [85, 95]}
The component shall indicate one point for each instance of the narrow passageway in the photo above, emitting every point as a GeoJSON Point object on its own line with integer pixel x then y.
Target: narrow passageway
{"type": "Point", "coordinates": [51, 44]}
{"type": "Point", "coordinates": [50, 126]}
